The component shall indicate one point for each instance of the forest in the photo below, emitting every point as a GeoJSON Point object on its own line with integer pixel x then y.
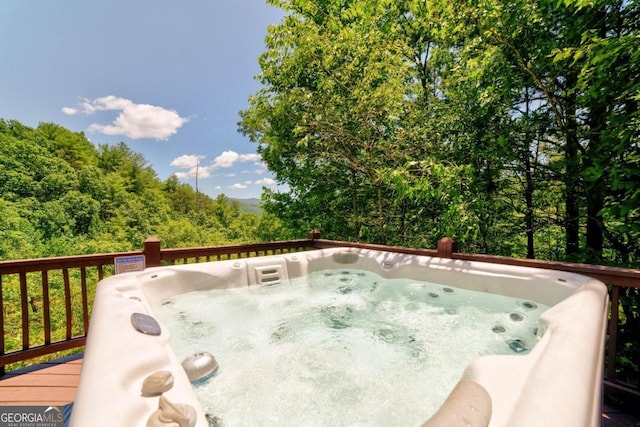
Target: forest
{"type": "Point", "coordinates": [511, 126]}
{"type": "Point", "coordinates": [62, 195]}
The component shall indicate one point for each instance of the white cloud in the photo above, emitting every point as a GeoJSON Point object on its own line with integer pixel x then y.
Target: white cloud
{"type": "Point", "coordinates": [70, 111]}
{"type": "Point", "coordinates": [225, 160]}
{"type": "Point", "coordinates": [195, 171]}
{"type": "Point", "coordinates": [187, 161]}
{"type": "Point", "coordinates": [266, 181]}
{"type": "Point", "coordinates": [228, 158]}
{"type": "Point", "coordinates": [201, 172]}
{"type": "Point", "coordinates": [190, 162]}
{"type": "Point", "coordinates": [251, 157]}
{"type": "Point", "coordinates": [134, 120]}
{"type": "Point", "coordinates": [237, 186]}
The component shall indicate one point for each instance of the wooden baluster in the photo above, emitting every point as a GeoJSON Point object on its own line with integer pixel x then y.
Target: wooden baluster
{"type": "Point", "coordinates": [85, 302]}
{"type": "Point", "coordinates": [24, 305]}
{"type": "Point", "coordinates": [46, 307]}
{"type": "Point", "coordinates": [612, 342]}
{"type": "Point", "coordinates": [67, 302]}
{"type": "Point", "coordinates": [2, 371]}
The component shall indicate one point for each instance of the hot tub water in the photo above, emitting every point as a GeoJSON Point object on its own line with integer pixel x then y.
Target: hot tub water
{"type": "Point", "coordinates": [341, 346]}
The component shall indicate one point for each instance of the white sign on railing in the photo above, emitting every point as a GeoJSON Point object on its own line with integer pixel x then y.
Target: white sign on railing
{"type": "Point", "coordinates": [127, 264]}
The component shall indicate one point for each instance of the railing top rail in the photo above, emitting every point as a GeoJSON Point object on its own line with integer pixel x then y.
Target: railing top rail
{"type": "Point", "coordinates": [54, 263]}
{"type": "Point", "coordinates": [611, 275]}
{"type": "Point", "coordinates": [623, 276]}
{"type": "Point", "coordinates": [41, 264]}
{"type": "Point", "coordinates": [324, 243]}
{"type": "Point", "coordinates": [177, 253]}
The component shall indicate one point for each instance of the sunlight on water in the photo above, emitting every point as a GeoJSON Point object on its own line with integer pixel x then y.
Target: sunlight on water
{"type": "Point", "coordinates": [341, 347]}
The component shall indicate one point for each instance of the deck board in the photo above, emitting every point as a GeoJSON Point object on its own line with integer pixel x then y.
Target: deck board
{"type": "Point", "coordinates": [52, 383]}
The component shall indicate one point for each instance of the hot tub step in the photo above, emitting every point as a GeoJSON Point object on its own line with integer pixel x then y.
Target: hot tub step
{"type": "Point", "coordinates": [267, 274]}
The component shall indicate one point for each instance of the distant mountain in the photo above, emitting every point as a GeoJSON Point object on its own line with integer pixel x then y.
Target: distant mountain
{"type": "Point", "coordinates": [251, 205]}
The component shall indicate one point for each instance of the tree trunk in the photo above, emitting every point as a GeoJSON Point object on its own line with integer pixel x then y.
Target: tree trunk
{"type": "Point", "coordinates": [528, 214]}
{"type": "Point", "coordinates": [572, 174]}
{"type": "Point", "coordinates": [597, 158]}
{"type": "Point", "coordinates": [595, 187]}
{"type": "Point", "coordinates": [529, 186]}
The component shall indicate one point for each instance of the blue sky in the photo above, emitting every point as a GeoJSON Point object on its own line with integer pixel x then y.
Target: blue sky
{"type": "Point", "coordinates": [167, 77]}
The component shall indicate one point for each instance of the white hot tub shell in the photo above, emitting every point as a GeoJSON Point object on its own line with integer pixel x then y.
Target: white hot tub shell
{"type": "Point", "coordinates": [557, 383]}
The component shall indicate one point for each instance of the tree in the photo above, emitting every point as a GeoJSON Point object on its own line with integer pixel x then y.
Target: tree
{"type": "Point", "coordinates": [73, 147]}
{"type": "Point", "coordinates": [182, 197]}
{"type": "Point", "coordinates": [130, 165]}
{"type": "Point", "coordinates": [18, 237]}
{"type": "Point", "coordinates": [327, 120]}
{"type": "Point", "coordinates": [360, 99]}
{"type": "Point", "coordinates": [610, 49]}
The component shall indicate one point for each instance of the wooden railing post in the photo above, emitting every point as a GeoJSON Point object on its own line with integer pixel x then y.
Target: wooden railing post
{"type": "Point", "coordinates": [446, 247]}
{"type": "Point", "coordinates": [314, 235]}
{"type": "Point", "coordinates": [151, 252]}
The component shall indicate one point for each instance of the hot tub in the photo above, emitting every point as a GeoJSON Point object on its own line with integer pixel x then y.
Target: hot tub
{"type": "Point", "coordinates": [558, 382]}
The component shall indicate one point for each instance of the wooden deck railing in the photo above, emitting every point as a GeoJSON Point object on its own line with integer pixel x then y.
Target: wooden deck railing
{"type": "Point", "coordinates": [77, 276]}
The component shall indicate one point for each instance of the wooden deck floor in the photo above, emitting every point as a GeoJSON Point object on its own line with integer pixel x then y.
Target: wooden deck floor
{"type": "Point", "coordinates": [55, 383]}
{"type": "Point", "coordinates": [52, 383]}
{"type": "Point", "coordinates": [614, 417]}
